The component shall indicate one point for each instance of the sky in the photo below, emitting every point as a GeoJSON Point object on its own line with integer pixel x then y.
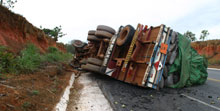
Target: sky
{"type": "Point", "coordinates": [77, 17]}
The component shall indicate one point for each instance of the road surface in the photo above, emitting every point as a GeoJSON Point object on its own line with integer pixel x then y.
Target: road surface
{"type": "Point", "coordinates": [126, 97]}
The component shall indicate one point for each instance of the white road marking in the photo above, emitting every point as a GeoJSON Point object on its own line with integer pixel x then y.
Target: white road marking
{"type": "Point", "coordinates": [197, 100]}
{"type": "Point", "coordinates": [213, 69]}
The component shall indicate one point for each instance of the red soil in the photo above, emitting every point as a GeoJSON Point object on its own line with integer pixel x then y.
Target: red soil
{"type": "Point", "coordinates": [209, 48]}
{"type": "Point", "coordinates": [39, 91]}
{"type": "Point", "coordinates": [16, 32]}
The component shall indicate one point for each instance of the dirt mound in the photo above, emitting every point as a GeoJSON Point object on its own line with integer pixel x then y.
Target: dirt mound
{"type": "Point", "coordinates": [210, 48]}
{"type": "Point", "coordinates": [16, 32]}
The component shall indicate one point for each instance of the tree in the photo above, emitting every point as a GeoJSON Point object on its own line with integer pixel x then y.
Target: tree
{"type": "Point", "coordinates": [54, 33]}
{"type": "Point", "coordinates": [190, 35]}
{"type": "Point", "coordinates": [9, 3]}
{"type": "Point", "coordinates": [204, 34]}
{"type": "Point", "coordinates": [70, 48]}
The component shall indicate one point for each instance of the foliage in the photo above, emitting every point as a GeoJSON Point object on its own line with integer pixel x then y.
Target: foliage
{"type": "Point", "coordinates": [190, 35]}
{"type": "Point", "coordinates": [35, 92]}
{"type": "Point", "coordinates": [70, 48]}
{"type": "Point", "coordinates": [26, 105]}
{"type": "Point", "coordinates": [7, 60]}
{"type": "Point", "coordinates": [214, 62]}
{"type": "Point", "coordinates": [29, 59]}
{"type": "Point", "coordinates": [204, 34]}
{"type": "Point", "coordinates": [9, 3]}
{"type": "Point", "coordinates": [55, 33]}
{"type": "Point", "coordinates": [54, 55]}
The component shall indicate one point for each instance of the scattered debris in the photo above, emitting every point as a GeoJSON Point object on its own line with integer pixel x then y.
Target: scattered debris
{"type": "Point", "coordinates": [209, 96]}
{"type": "Point", "coordinates": [123, 106]}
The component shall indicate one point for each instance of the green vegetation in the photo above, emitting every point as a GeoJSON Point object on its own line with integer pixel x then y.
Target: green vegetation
{"type": "Point", "coordinates": [29, 59]}
{"type": "Point", "coordinates": [8, 3]}
{"type": "Point", "coordinates": [70, 48]}
{"type": "Point", "coordinates": [214, 62]}
{"type": "Point", "coordinates": [204, 34]}
{"type": "Point", "coordinates": [54, 33]}
{"type": "Point", "coordinates": [26, 105]}
{"type": "Point", "coordinates": [190, 35]}
{"type": "Point", "coordinates": [54, 55]}
{"type": "Point", "coordinates": [35, 92]}
{"type": "Point", "coordinates": [7, 60]}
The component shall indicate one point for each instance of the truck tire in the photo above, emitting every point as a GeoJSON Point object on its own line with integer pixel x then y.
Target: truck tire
{"type": "Point", "coordinates": [172, 47]}
{"type": "Point", "coordinates": [94, 61]}
{"type": "Point", "coordinates": [174, 36]}
{"type": "Point", "coordinates": [103, 34]}
{"type": "Point", "coordinates": [161, 83]}
{"type": "Point", "coordinates": [91, 67]}
{"type": "Point", "coordinates": [106, 28]}
{"type": "Point", "coordinates": [165, 72]}
{"type": "Point", "coordinates": [125, 36]}
{"type": "Point", "coordinates": [83, 61]}
{"type": "Point", "coordinates": [92, 38]}
{"type": "Point", "coordinates": [169, 81]}
{"type": "Point", "coordinates": [78, 43]}
{"type": "Point", "coordinates": [91, 32]}
{"type": "Point", "coordinates": [172, 58]}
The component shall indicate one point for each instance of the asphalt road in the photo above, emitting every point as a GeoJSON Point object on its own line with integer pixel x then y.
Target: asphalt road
{"type": "Point", "coordinates": [214, 74]}
{"type": "Point", "coordinates": [126, 97]}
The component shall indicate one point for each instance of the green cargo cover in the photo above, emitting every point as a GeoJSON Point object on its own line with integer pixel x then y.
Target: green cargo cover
{"type": "Point", "coordinates": [189, 64]}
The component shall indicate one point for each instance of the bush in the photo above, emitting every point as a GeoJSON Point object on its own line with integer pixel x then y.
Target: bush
{"type": "Point", "coordinates": [70, 48]}
{"type": "Point", "coordinates": [29, 59]}
{"type": "Point", "coordinates": [214, 62]}
{"type": "Point", "coordinates": [54, 55]}
{"type": "Point", "coordinates": [7, 60]}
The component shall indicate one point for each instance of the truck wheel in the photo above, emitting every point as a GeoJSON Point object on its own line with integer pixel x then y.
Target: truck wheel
{"type": "Point", "coordinates": [172, 58]}
{"type": "Point", "coordinates": [106, 28]}
{"type": "Point", "coordinates": [91, 32]}
{"type": "Point", "coordinates": [125, 36]}
{"type": "Point", "coordinates": [169, 80]}
{"type": "Point", "coordinates": [83, 61]}
{"type": "Point", "coordinates": [165, 72]}
{"type": "Point", "coordinates": [92, 38]}
{"type": "Point", "coordinates": [103, 34]}
{"type": "Point", "coordinates": [91, 67]}
{"type": "Point", "coordinates": [161, 83]}
{"type": "Point", "coordinates": [78, 43]}
{"type": "Point", "coordinates": [94, 61]}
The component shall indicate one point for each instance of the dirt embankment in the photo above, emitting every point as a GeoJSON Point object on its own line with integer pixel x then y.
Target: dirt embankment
{"type": "Point", "coordinates": [210, 48]}
{"type": "Point", "coordinates": [16, 32]}
{"type": "Point", "coordinates": [39, 91]}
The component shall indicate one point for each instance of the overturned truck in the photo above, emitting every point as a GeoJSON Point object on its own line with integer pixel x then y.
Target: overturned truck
{"type": "Point", "coordinates": [146, 56]}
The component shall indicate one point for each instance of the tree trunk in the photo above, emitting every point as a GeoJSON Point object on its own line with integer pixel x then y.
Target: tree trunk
{"type": "Point", "coordinates": [1, 2]}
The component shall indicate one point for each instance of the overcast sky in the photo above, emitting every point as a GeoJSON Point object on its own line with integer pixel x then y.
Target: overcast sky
{"type": "Point", "coordinates": [77, 17]}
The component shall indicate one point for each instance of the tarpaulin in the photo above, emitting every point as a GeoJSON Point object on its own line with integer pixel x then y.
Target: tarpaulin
{"type": "Point", "coordinates": [189, 64]}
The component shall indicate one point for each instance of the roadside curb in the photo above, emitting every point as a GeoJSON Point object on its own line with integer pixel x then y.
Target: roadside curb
{"type": "Point", "coordinates": [62, 104]}
{"type": "Point", "coordinates": [213, 69]}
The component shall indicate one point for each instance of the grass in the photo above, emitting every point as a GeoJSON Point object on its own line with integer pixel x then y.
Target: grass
{"type": "Point", "coordinates": [35, 92]}
{"type": "Point", "coordinates": [215, 42]}
{"type": "Point", "coordinates": [214, 62]}
{"type": "Point", "coordinates": [54, 55]}
{"type": "Point", "coordinates": [29, 59]}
